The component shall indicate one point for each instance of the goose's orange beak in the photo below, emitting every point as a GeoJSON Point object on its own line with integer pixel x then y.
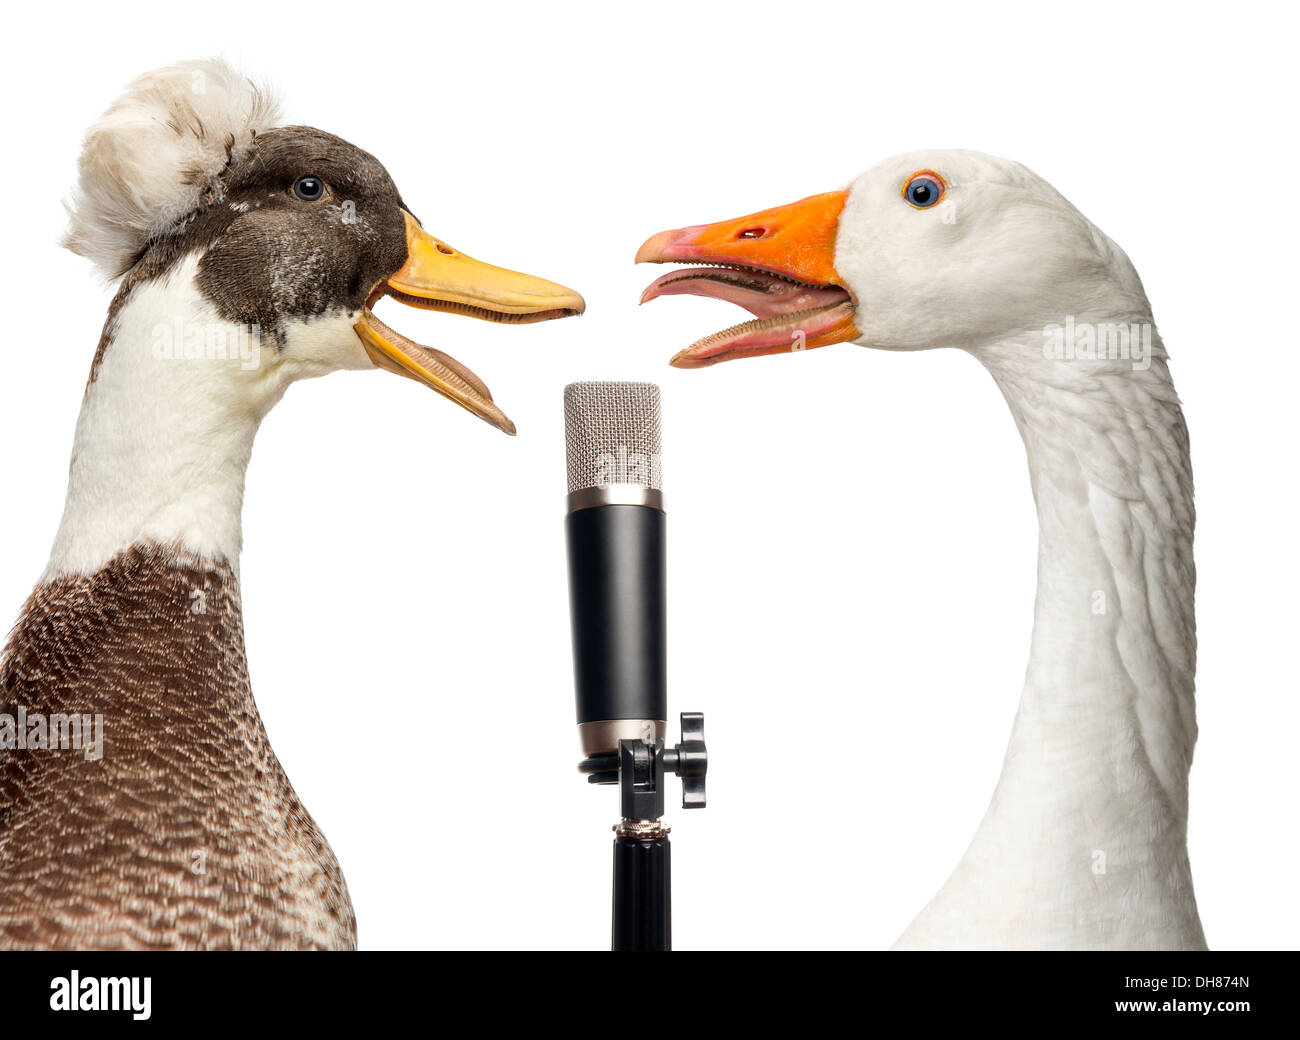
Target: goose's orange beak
{"type": "Point", "coordinates": [437, 277]}
{"type": "Point", "coordinates": [778, 264]}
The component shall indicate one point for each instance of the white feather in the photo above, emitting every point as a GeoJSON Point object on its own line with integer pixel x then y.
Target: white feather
{"type": "Point", "coordinates": [156, 157]}
{"type": "Point", "coordinates": [165, 433]}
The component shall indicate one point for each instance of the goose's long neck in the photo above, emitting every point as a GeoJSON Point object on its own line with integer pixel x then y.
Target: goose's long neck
{"type": "Point", "coordinates": [1113, 657]}
{"type": "Point", "coordinates": [1084, 842]}
{"type": "Point", "coordinates": [165, 430]}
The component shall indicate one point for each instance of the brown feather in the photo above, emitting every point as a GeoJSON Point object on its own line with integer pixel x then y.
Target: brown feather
{"type": "Point", "coordinates": [187, 833]}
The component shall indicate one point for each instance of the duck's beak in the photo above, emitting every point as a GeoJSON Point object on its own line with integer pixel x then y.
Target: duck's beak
{"type": "Point", "coordinates": [778, 264]}
{"type": "Point", "coordinates": [437, 277]}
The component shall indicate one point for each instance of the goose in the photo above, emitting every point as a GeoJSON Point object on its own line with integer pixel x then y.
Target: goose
{"type": "Point", "coordinates": [249, 256]}
{"type": "Point", "coordinates": [1084, 843]}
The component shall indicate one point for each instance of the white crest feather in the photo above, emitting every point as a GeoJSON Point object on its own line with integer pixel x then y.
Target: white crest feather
{"type": "Point", "coordinates": [156, 156]}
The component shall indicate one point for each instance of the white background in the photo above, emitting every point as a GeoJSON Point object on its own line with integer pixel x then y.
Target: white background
{"type": "Point", "coordinates": [852, 533]}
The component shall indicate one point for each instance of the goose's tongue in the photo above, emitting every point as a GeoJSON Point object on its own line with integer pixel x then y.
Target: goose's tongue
{"type": "Point", "coordinates": [779, 264]}
{"type": "Point", "coordinates": [764, 295]}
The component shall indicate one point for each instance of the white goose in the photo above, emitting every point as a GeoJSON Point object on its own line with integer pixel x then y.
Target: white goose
{"type": "Point", "coordinates": [1084, 842]}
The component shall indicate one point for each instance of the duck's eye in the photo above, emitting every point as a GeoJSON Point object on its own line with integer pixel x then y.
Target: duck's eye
{"type": "Point", "coordinates": [923, 189]}
{"type": "Point", "coordinates": [309, 189]}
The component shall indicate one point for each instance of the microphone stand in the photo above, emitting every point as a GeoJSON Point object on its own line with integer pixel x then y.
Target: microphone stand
{"type": "Point", "coordinates": [642, 917]}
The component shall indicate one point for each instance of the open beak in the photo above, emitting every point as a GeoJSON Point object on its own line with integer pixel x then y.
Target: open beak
{"type": "Point", "coordinates": [778, 264]}
{"type": "Point", "coordinates": [437, 277]}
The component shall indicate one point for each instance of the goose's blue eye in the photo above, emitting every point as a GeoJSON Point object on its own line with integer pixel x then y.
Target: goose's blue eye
{"type": "Point", "coordinates": [923, 189]}
{"type": "Point", "coordinates": [309, 189]}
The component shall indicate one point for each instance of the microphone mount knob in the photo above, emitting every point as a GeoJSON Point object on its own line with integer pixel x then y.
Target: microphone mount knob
{"type": "Point", "coordinates": [690, 760]}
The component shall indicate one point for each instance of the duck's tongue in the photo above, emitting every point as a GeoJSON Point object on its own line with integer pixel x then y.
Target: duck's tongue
{"type": "Point", "coordinates": [437, 277]}
{"type": "Point", "coordinates": [437, 370]}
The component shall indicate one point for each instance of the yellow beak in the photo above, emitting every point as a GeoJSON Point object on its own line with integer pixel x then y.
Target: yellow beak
{"type": "Point", "coordinates": [438, 277]}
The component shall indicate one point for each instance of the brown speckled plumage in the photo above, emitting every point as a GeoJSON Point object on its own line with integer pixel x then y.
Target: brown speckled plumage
{"type": "Point", "coordinates": [187, 833]}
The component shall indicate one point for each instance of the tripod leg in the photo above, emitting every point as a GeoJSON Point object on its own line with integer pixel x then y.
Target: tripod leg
{"type": "Point", "coordinates": [642, 894]}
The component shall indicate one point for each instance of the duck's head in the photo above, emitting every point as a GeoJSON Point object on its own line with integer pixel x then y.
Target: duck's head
{"type": "Point", "coordinates": [927, 249]}
{"type": "Point", "coordinates": [296, 233]}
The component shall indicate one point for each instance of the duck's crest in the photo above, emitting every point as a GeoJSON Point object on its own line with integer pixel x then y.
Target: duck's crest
{"type": "Point", "coordinates": [157, 155]}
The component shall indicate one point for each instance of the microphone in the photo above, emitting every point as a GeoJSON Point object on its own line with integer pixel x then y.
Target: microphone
{"type": "Point", "coordinates": [618, 601]}
{"type": "Point", "coordinates": [615, 530]}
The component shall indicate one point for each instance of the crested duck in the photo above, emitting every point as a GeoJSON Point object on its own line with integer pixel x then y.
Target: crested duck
{"type": "Point", "coordinates": [250, 255]}
{"type": "Point", "coordinates": [1084, 842]}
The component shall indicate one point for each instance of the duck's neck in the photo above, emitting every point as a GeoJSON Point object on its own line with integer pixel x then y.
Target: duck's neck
{"type": "Point", "coordinates": [165, 430]}
{"type": "Point", "coordinates": [1084, 843]}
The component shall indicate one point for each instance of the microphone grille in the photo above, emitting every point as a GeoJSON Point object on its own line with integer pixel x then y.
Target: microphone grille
{"type": "Point", "coordinates": [612, 435]}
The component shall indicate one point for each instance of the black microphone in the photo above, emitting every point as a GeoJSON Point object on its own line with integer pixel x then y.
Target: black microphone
{"type": "Point", "coordinates": [617, 598]}
{"type": "Point", "coordinates": [615, 528]}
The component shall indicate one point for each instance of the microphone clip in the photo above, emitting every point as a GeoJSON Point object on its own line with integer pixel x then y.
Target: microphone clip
{"type": "Point", "coordinates": [639, 768]}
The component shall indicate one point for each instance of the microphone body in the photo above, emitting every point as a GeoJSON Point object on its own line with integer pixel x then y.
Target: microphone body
{"type": "Point", "coordinates": [617, 597]}
{"type": "Point", "coordinates": [615, 530]}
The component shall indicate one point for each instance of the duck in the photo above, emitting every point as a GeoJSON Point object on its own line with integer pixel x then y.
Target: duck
{"type": "Point", "coordinates": [1084, 842]}
{"type": "Point", "coordinates": [248, 255]}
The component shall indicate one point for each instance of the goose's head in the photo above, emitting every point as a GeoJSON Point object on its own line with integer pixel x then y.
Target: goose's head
{"type": "Point", "coordinates": [927, 249]}
{"type": "Point", "coordinates": [292, 232]}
